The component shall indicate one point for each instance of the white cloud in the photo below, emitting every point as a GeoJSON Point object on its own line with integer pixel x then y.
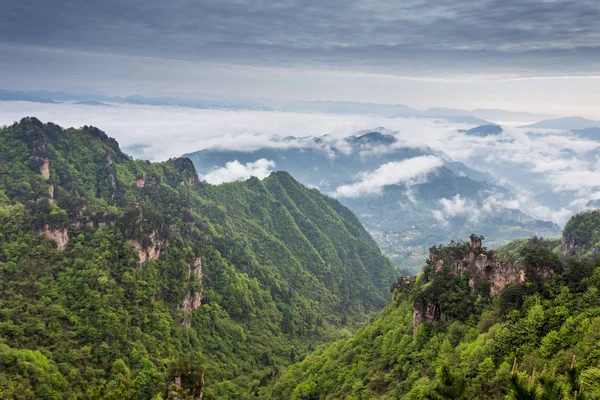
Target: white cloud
{"type": "Point", "coordinates": [457, 206]}
{"type": "Point", "coordinates": [552, 175]}
{"type": "Point", "coordinates": [392, 173]}
{"type": "Point", "coordinates": [236, 171]}
{"type": "Point", "coordinates": [162, 132]}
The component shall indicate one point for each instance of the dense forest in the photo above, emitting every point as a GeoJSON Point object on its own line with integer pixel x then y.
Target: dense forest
{"type": "Point", "coordinates": [522, 322]}
{"type": "Point", "coordinates": [125, 279]}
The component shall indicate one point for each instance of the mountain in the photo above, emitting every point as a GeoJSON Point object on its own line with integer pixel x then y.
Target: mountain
{"type": "Point", "coordinates": [567, 123]}
{"type": "Point", "coordinates": [93, 103]}
{"type": "Point", "coordinates": [348, 107]}
{"type": "Point", "coordinates": [407, 222]}
{"type": "Point", "coordinates": [588, 133]}
{"type": "Point", "coordinates": [387, 110]}
{"type": "Point", "coordinates": [490, 114]}
{"type": "Point", "coordinates": [459, 119]}
{"type": "Point", "coordinates": [581, 236]}
{"type": "Point", "coordinates": [504, 115]}
{"type": "Point", "coordinates": [9, 95]}
{"type": "Point", "coordinates": [485, 130]}
{"type": "Point", "coordinates": [405, 218]}
{"type": "Point", "coordinates": [122, 278]}
{"type": "Point", "coordinates": [207, 101]}
{"type": "Point", "coordinates": [93, 98]}
{"type": "Point", "coordinates": [473, 325]}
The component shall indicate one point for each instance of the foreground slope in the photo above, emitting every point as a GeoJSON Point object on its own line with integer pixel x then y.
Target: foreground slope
{"type": "Point", "coordinates": [473, 325]}
{"type": "Point", "coordinates": [117, 274]}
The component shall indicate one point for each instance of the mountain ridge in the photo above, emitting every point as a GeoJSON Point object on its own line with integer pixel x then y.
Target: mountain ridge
{"type": "Point", "coordinates": [565, 123]}
{"type": "Point", "coordinates": [148, 271]}
{"type": "Point", "coordinates": [405, 218]}
{"type": "Point", "coordinates": [473, 325]}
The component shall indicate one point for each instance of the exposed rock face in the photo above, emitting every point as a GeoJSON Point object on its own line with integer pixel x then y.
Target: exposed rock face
{"type": "Point", "coordinates": [175, 388]}
{"type": "Point", "coordinates": [111, 174]}
{"type": "Point", "coordinates": [426, 311]}
{"type": "Point", "coordinates": [567, 245]}
{"type": "Point", "coordinates": [60, 236]}
{"type": "Point", "coordinates": [193, 298]}
{"type": "Point", "coordinates": [482, 267]}
{"type": "Point", "coordinates": [151, 252]}
{"type": "Point", "coordinates": [44, 166]}
{"type": "Point", "coordinates": [193, 301]}
{"type": "Point", "coordinates": [143, 182]}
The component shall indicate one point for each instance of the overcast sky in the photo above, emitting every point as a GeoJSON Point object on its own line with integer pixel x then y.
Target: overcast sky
{"type": "Point", "coordinates": [542, 56]}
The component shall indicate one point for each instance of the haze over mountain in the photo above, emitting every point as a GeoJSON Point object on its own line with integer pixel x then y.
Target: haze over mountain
{"type": "Point", "coordinates": [208, 101]}
{"type": "Point", "coordinates": [566, 123]}
{"type": "Point", "coordinates": [485, 130]}
{"type": "Point", "coordinates": [409, 198]}
{"type": "Point", "coordinates": [588, 133]}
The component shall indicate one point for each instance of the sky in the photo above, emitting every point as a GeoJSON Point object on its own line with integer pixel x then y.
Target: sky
{"type": "Point", "coordinates": [521, 55]}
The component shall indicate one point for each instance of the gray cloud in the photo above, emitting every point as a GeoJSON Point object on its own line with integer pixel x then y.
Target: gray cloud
{"type": "Point", "coordinates": [517, 37]}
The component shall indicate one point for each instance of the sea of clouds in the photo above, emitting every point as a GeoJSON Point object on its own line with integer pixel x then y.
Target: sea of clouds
{"type": "Point", "coordinates": [551, 174]}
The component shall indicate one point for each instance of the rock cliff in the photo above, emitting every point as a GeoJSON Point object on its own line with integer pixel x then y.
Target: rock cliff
{"type": "Point", "coordinates": [487, 275]}
{"type": "Point", "coordinates": [60, 236]}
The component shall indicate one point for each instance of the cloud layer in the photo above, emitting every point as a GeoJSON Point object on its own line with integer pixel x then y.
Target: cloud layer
{"type": "Point", "coordinates": [411, 170]}
{"type": "Point", "coordinates": [552, 174]}
{"type": "Point", "coordinates": [158, 133]}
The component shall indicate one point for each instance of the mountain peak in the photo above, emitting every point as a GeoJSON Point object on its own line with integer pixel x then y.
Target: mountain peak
{"type": "Point", "coordinates": [566, 123]}
{"type": "Point", "coordinates": [374, 137]}
{"type": "Point", "coordinates": [485, 130]}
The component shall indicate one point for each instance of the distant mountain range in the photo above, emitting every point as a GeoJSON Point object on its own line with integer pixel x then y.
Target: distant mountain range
{"type": "Point", "coordinates": [566, 123]}
{"type": "Point", "coordinates": [208, 101]}
{"type": "Point", "coordinates": [490, 114]}
{"type": "Point", "coordinates": [7, 95]}
{"type": "Point", "coordinates": [451, 200]}
{"type": "Point", "coordinates": [588, 133]}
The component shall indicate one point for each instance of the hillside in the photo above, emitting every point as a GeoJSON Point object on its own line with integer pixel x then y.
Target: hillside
{"type": "Point", "coordinates": [122, 278]}
{"type": "Point", "coordinates": [405, 218]}
{"type": "Point", "coordinates": [485, 130]}
{"type": "Point", "coordinates": [566, 123]}
{"type": "Point", "coordinates": [473, 325]}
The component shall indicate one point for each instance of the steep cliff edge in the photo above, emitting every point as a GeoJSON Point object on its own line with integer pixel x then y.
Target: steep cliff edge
{"type": "Point", "coordinates": [473, 271]}
{"type": "Point", "coordinates": [545, 316]}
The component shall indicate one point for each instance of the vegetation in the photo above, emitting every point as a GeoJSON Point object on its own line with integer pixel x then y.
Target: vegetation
{"type": "Point", "coordinates": [582, 234]}
{"type": "Point", "coordinates": [549, 326]}
{"type": "Point", "coordinates": [124, 279]}
{"type": "Point", "coordinates": [512, 251]}
{"type": "Point", "coordinates": [121, 278]}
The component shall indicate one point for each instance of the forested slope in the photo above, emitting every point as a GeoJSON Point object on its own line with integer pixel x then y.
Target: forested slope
{"type": "Point", "coordinates": [117, 276]}
{"type": "Point", "coordinates": [448, 335]}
